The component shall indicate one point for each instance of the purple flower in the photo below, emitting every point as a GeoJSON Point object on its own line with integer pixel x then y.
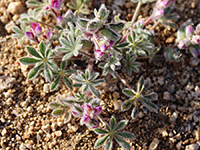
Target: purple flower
{"type": "Point", "coordinates": [56, 4]}
{"type": "Point", "coordinates": [183, 44]}
{"type": "Point", "coordinates": [189, 31]}
{"type": "Point", "coordinates": [196, 39]}
{"type": "Point", "coordinates": [30, 35]}
{"type": "Point", "coordinates": [197, 29]}
{"type": "Point", "coordinates": [36, 28]}
{"type": "Point", "coordinates": [60, 20]}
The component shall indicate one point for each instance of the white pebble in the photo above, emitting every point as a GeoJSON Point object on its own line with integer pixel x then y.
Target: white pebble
{"type": "Point", "coordinates": [16, 8]}
{"type": "Point", "coordinates": [192, 147]}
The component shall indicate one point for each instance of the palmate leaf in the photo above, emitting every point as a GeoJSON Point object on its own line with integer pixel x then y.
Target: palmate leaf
{"type": "Point", "coordinates": [134, 113]}
{"type": "Point", "coordinates": [54, 105]}
{"type": "Point", "coordinates": [109, 145]}
{"type": "Point", "coordinates": [57, 112]}
{"type": "Point", "coordinates": [100, 141]}
{"type": "Point", "coordinates": [149, 105]}
{"type": "Point", "coordinates": [122, 143]}
{"type": "Point", "coordinates": [121, 125]}
{"type": "Point", "coordinates": [33, 52]}
{"type": "Point", "coordinates": [28, 60]}
{"type": "Point", "coordinates": [126, 135]}
{"type": "Point", "coordinates": [112, 123]}
{"type": "Point", "coordinates": [35, 71]}
{"type": "Point", "coordinates": [55, 83]}
{"type": "Point", "coordinates": [48, 73]}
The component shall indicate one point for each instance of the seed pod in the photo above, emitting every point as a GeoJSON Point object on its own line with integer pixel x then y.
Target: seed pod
{"type": "Point", "coordinates": [116, 26]}
{"type": "Point", "coordinates": [109, 34]}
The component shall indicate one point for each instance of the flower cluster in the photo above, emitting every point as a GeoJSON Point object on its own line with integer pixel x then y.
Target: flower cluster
{"type": "Point", "coordinates": [88, 114]}
{"type": "Point", "coordinates": [160, 7]}
{"type": "Point", "coordinates": [189, 38]}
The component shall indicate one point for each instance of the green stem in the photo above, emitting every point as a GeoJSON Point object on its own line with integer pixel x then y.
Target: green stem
{"type": "Point", "coordinates": [136, 12]}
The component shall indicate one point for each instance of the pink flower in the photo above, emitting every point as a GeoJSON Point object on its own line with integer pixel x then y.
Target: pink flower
{"type": "Point", "coordinates": [56, 4]}
{"type": "Point", "coordinates": [189, 31]}
{"type": "Point", "coordinates": [30, 35]}
{"type": "Point", "coordinates": [36, 28]}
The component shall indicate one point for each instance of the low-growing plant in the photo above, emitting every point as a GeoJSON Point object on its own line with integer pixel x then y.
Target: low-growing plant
{"type": "Point", "coordinates": [72, 40]}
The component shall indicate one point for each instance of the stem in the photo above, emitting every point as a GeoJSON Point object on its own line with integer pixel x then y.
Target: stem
{"type": "Point", "coordinates": [136, 12]}
{"type": "Point", "coordinates": [51, 26]}
{"type": "Point", "coordinates": [90, 65]}
{"type": "Point", "coordinates": [84, 53]}
{"type": "Point", "coordinates": [147, 21]}
{"type": "Point", "coordinates": [155, 25]}
{"type": "Point", "coordinates": [102, 120]}
{"type": "Point", "coordinates": [123, 81]}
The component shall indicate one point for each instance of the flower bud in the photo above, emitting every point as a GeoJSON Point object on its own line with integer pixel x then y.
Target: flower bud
{"type": "Point", "coordinates": [109, 34]}
{"type": "Point", "coordinates": [60, 21]}
{"type": "Point", "coordinates": [195, 51]}
{"type": "Point", "coordinates": [183, 44]}
{"type": "Point", "coordinates": [36, 28]}
{"type": "Point", "coordinates": [189, 31]}
{"type": "Point", "coordinates": [197, 29]}
{"type": "Point", "coordinates": [196, 39]}
{"type": "Point", "coordinates": [56, 4]}
{"type": "Point", "coordinates": [99, 54]}
{"type": "Point", "coordinates": [30, 35]}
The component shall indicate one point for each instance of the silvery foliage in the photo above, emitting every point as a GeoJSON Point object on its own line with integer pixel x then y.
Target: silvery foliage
{"type": "Point", "coordinates": [136, 96]}
{"type": "Point", "coordinates": [143, 1]}
{"type": "Point", "coordinates": [113, 132]}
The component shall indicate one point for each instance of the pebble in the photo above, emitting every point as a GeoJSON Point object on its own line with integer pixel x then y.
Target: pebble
{"type": "Point", "coordinates": [179, 145]}
{"type": "Point", "coordinates": [166, 95]}
{"type": "Point", "coordinates": [163, 132]}
{"type": "Point", "coordinates": [46, 88]}
{"type": "Point", "coordinates": [174, 116]}
{"type": "Point", "coordinates": [9, 26]}
{"type": "Point", "coordinates": [6, 82]}
{"type": "Point", "coordinates": [194, 61]}
{"type": "Point", "coordinates": [22, 147]}
{"type": "Point", "coordinates": [192, 147]}
{"type": "Point", "coordinates": [117, 104]}
{"type": "Point", "coordinates": [16, 8]}
{"type": "Point", "coordinates": [58, 133]}
{"type": "Point", "coordinates": [154, 144]}
{"type": "Point", "coordinates": [4, 132]}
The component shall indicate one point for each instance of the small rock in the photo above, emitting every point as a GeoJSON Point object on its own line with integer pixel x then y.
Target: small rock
{"type": "Point", "coordinates": [74, 128]}
{"type": "Point", "coordinates": [179, 145]}
{"type": "Point", "coordinates": [22, 147]}
{"type": "Point", "coordinates": [46, 88]}
{"type": "Point", "coordinates": [174, 116]}
{"type": "Point", "coordinates": [4, 132]}
{"type": "Point", "coordinates": [119, 2]}
{"type": "Point", "coordinates": [117, 104]}
{"type": "Point", "coordinates": [192, 147]}
{"type": "Point", "coordinates": [194, 61]}
{"type": "Point", "coordinates": [161, 81]}
{"type": "Point", "coordinates": [16, 8]}
{"type": "Point", "coordinates": [163, 132]}
{"type": "Point", "coordinates": [154, 144]}
{"type": "Point", "coordinates": [6, 82]}
{"type": "Point", "coordinates": [166, 96]}
{"type": "Point", "coordinates": [58, 133]}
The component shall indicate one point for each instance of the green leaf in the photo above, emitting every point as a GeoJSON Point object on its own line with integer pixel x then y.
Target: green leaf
{"type": "Point", "coordinates": [128, 92]}
{"type": "Point", "coordinates": [33, 3]}
{"type": "Point", "coordinates": [67, 82]}
{"type": "Point", "coordinates": [149, 105]}
{"type": "Point", "coordinates": [109, 145]}
{"type": "Point", "coordinates": [54, 105]}
{"type": "Point", "coordinates": [108, 33]}
{"type": "Point", "coordinates": [100, 141]}
{"type": "Point", "coordinates": [33, 52]}
{"type": "Point", "coordinates": [55, 84]}
{"type": "Point", "coordinates": [67, 116]}
{"type": "Point", "coordinates": [100, 131]}
{"type": "Point", "coordinates": [140, 85]}
{"type": "Point", "coordinates": [67, 56]}
{"type": "Point", "coordinates": [17, 30]}
{"type": "Point", "coordinates": [48, 73]}
{"type": "Point", "coordinates": [121, 125]}
{"type": "Point", "coordinates": [57, 112]}
{"type": "Point", "coordinates": [126, 135]}
{"type": "Point", "coordinates": [94, 91]}
{"type": "Point", "coordinates": [122, 143]}
{"type": "Point", "coordinates": [134, 113]}
{"type": "Point", "coordinates": [152, 96]}
{"type": "Point", "coordinates": [34, 72]}
{"type": "Point", "coordinates": [42, 48]}
{"type": "Point", "coordinates": [127, 104]}
{"type": "Point", "coordinates": [112, 122]}
{"type": "Point", "coordinates": [28, 60]}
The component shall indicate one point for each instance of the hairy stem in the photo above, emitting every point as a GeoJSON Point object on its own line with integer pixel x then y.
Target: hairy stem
{"type": "Point", "coordinates": [147, 21]}
{"type": "Point", "coordinates": [123, 81]}
{"type": "Point", "coordinates": [155, 25]}
{"type": "Point", "coordinates": [86, 54]}
{"type": "Point", "coordinates": [136, 12]}
{"type": "Point", "coordinates": [51, 26]}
